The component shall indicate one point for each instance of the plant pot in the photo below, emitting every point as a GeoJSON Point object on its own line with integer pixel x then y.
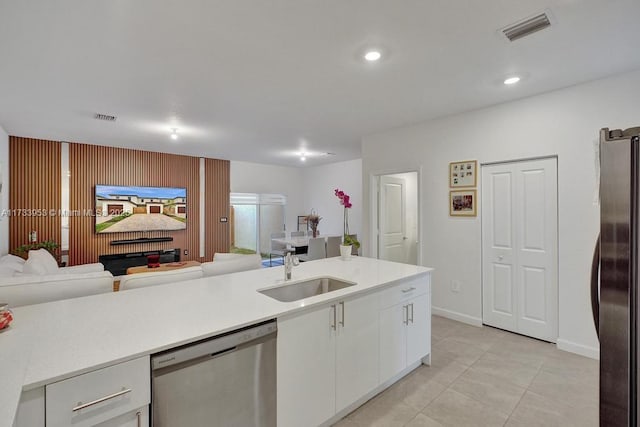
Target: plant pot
{"type": "Point", "coordinates": [345, 252]}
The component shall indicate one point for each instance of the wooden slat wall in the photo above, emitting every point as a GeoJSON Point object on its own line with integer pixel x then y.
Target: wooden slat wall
{"type": "Point", "coordinates": [91, 165]}
{"type": "Point", "coordinates": [218, 187]}
{"type": "Point", "coordinates": [35, 183]}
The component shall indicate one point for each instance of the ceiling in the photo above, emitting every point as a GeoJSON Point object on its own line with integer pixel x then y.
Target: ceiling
{"type": "Point", "coordinates": [259, 80]}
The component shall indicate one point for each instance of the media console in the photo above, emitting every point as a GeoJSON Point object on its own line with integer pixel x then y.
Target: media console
{"type": "Point", "coordinates": [117, 264]}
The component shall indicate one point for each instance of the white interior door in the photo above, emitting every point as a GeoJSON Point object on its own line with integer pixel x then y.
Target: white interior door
{"type": "Point", "coordinates": [392, 220]}
{"type": "Point", "coordinates": [520, 241]}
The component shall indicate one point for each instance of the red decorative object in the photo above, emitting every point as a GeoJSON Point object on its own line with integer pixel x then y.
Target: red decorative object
{"type": "Point", "coordinates": [5, 319]}
{"type": "Point", "coordinates": [153, 261]}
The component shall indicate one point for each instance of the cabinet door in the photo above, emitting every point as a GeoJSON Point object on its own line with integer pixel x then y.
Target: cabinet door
{"type": "Point", "coordinates": [306, 368]}
{"type": "Point", "coordinates": [419, 329]}
{"type": "Point", "coordinates": [393, 343]}
{"type": "Point", "coordinates": [356, 349]}
{"type": "Point", "coordinates": [139, 418]}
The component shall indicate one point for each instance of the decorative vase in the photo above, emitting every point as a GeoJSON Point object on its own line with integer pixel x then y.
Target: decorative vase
{"type": "Point", "coordinates": [315, 232]}
{"type": "Point", "coordinates": [345, 252]}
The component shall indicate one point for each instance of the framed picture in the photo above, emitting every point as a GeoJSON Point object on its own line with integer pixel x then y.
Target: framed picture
{"type": "Point", "coordinates": [462, 203]}
{"type": "Point", "coordinates": [463, 174]}
{"type": "Point", "coordinates": [303, 224]}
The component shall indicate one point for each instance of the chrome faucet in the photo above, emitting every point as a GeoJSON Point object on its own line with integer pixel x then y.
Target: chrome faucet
{"type": "Point", "coordinates": [290, 261]}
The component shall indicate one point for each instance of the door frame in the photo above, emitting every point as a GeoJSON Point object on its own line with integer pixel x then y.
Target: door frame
{"type": "Point", "coordinates": [374, 187]}
{"type": "Point", "coordinates": [480, 212]}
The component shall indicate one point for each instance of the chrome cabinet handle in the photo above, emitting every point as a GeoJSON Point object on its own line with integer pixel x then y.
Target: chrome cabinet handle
{"type": "Point", "coordinates": [342, 321]}
{"type": "Point", "coordinates": [333, 325]}
{"type": "Point", "coordinates": [411, 312]}
{"type": "Point", "coordinates": [404, 291]}
{"type": "Point", "coordinates": [405, 314]}
{"type": "Point", "coordinates": [102, 399]}
{"type": "Point", "coordinates": [139, 418]}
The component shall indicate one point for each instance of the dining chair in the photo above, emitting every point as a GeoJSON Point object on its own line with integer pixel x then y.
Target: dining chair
{"type": "Point", "coordinates": [277, 249]}
{"type": "Point", "coordinates": [333, 246]}
{"type": "Point", "coordinates": [316, 250]}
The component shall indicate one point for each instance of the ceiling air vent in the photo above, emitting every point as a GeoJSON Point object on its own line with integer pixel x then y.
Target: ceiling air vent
{"type": "Point", "coordinates": [105, 117]}
{"type": "Point", "coordinates": [527, 27]}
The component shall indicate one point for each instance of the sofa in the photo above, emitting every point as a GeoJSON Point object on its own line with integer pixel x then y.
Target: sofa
{"type": "Point", "coordinates": [39, 279]}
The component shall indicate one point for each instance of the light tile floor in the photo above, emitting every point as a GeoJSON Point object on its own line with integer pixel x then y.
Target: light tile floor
{"type": "Point", "coordinates": [487, 377]}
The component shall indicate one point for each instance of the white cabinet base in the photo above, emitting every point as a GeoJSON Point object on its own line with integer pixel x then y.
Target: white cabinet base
{"type": "Point", "coordinates": [346, 411]}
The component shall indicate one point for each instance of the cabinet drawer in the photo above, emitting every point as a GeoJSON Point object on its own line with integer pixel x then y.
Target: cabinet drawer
{"type": "Point", "coordinates": [98, 396]}
{"type": "Point", "coordinates": [404, 291]}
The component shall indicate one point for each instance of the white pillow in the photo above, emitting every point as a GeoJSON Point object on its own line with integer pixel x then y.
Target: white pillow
{"type": "Point", "coordinates": [40, 262]}
{"type": "Point", "coordinates": [12, 262]}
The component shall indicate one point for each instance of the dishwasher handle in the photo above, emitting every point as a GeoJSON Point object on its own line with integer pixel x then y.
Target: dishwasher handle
{"type": "Point", "coordinates": [213, 347]}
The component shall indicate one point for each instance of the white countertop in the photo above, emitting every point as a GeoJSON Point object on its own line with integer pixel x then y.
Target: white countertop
{"type": "Point", "coordinates": [54, 341]}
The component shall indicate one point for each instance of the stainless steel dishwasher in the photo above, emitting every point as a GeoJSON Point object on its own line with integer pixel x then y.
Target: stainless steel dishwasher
{"type": "Point", "coordinates": [228, 380]}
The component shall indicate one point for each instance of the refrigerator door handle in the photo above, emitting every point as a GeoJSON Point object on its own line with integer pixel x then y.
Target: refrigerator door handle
{"type": "Point", "coordinates": [595, 286]}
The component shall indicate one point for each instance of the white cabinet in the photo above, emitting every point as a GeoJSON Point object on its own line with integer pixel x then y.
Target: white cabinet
{"type": "Point", "coordinates": [405, 327]}
{"type": "Point", "coordinates": [357, 349]}
{"type": "Point", "coordinates": [306, 367]}
{"type": "Point", "coordinates": [31, 409]}
{"type": "Point", "coordinates": [137, 418]}
{"type": "Point", "coordinates": [327, 359]}
{"type": "Point", "coordinates": [118, 395]}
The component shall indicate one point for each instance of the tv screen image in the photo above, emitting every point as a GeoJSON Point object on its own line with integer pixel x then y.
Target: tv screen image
{"type": "Point", "coordinates": [125, 209]}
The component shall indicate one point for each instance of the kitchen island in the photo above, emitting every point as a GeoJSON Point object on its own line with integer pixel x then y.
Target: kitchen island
{"type": "Point", "coordinates": [57, 341]}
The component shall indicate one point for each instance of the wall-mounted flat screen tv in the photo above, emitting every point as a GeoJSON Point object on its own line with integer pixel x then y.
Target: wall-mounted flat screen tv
{"type": "Point", "coordinates": [127, 209]}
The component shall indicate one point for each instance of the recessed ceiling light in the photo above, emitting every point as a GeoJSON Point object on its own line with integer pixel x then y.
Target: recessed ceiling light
{"type": "Point", "coordinates": [303, 159]}
{"type": "Point", "coordinates": [174, 133]}
{"type": "Point", "coordinates": [303, 156]}
{"type": "Point", "coordinates": [512, 80]}
{"type": "Point", "coordinates": [372, 55]}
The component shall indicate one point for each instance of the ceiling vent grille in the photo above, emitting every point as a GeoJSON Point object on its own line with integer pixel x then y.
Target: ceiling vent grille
{"type": "Point", "coordinates": [105, 117]}
{"type": "Point", "coordinates": [527, 27]}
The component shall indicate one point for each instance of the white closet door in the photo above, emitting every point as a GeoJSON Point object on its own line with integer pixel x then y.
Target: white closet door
{"type": "Point", "coordinates": [498, 252]}
{"type": "Point", "coordinates": [520, 241]}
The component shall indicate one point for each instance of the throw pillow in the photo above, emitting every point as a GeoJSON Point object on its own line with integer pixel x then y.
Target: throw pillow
{"type": "Point", "coordinates": [15, 263]}
{"type": "Point", "coordinates": [40, 262]}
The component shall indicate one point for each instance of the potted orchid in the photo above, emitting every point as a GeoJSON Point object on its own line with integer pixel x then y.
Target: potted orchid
{"type": "Point", "coordinates": [348, 241]}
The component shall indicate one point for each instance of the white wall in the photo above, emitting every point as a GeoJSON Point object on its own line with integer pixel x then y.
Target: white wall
{"type": "Point", "coordinates": [259, 178]}
{"type": "Point", "coordinates": [4, 199]}
{"type": "Point", "coordinates": [565, 123]}
{"type": "Point", "coordinates": [319, 185]}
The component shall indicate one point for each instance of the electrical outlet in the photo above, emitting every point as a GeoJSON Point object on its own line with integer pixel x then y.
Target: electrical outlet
{"type": "Point", "coordinates": [455, 286]}
{"type": "Point", "coordinates": [186, 251]}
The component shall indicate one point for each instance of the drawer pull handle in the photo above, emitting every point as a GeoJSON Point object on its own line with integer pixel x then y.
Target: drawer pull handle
{"type": "Point", "coordinates": [139, 418]}
{"type": "Point", "coordinates": [404, 291]}
{"type": "Point", "coordinates": [102, 399]}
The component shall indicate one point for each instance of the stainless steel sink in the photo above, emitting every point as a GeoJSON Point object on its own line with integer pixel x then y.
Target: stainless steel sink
{"type": "Point", "coordinates": [305, 289]}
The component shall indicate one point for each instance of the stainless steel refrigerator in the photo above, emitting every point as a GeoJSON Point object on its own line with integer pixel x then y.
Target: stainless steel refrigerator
{"type": "Point", "coordinates": [614, 276]}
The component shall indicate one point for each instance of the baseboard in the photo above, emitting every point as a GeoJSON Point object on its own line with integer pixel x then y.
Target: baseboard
{"type": "Point", "coordinates": [582, 350]}
{"type": "Point", "coordinates": [454, 315]}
